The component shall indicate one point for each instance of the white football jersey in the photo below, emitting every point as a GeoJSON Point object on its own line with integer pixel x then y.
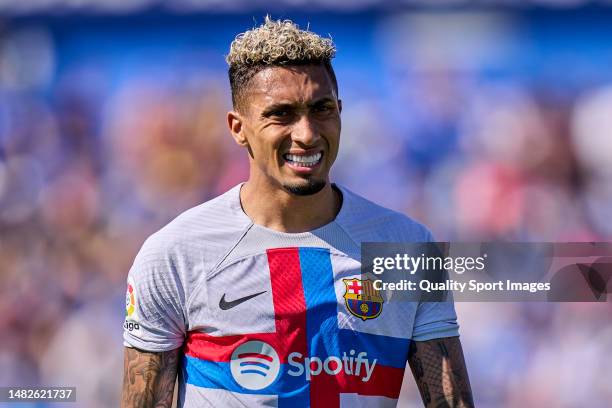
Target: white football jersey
{"type": "Point", "coordinates": [266, 318]}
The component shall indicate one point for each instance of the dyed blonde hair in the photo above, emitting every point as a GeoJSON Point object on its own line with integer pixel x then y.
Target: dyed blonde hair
{"type": "Point", "coordinates": [275, 43]}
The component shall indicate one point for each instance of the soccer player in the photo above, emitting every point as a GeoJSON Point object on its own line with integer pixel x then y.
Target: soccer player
{"type": "Point", "coordinates": [255, 298]}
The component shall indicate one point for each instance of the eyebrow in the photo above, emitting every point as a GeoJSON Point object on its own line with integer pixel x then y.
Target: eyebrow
{"type": "Point", "coordinates": [322, 101]}
{"type": "Point", "coordinates": [287, 105]}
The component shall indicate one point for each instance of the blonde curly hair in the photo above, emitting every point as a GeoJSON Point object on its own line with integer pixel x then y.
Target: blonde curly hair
{"type": "Point", "coordinates": [275, 43]}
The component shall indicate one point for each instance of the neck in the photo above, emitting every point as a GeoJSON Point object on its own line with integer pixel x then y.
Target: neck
{"type": "Point", "coordinates": [277, 209]}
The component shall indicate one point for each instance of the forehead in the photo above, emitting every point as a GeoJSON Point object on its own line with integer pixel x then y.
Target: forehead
{"type": "Point", "coordinates": [292, 84]}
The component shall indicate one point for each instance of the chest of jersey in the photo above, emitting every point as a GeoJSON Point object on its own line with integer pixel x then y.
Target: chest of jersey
{"type": "Point", "coordinates": [298, 324]}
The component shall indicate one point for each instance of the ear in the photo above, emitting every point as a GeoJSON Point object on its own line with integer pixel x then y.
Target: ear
{"type": "Point", "coordinates": [234, 122]}
{"type": "Point", "coordinates": [339, 105]}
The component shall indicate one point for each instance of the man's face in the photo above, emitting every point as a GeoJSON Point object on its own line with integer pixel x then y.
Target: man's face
{"type": "Point", "coordinates": [290, 123]}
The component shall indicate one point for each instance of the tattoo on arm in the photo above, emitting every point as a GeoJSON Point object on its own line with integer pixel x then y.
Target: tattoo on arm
{"type": "Point", "coordinates": [439, 370]}
{"type": "Point", "coordinates": [148, 378]}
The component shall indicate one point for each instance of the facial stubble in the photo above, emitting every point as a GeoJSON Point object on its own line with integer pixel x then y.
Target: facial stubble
{"type": "Point", "coordinates": [312, 186]}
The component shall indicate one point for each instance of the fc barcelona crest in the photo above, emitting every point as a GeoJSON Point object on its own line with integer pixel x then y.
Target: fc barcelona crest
{"type": "Point", "coordinates": [361, 299]}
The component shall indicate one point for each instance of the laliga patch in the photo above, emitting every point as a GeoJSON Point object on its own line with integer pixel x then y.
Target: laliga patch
{"type": "Point", "coordinates": [361, 299]}
{"type": "Point", "coordinates": [130, 299]}
{"type": "Point", "coordinates": [131, 316]}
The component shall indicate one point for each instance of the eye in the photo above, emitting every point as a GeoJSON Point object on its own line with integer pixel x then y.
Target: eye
{"type": "Point", "coordinates": [323, 108]}
{"type": "Point", "coordinates": [280, 113]}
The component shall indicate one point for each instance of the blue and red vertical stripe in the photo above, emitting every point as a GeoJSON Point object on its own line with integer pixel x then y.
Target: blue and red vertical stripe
{"type": "Point", "coordinates": [305, 312]}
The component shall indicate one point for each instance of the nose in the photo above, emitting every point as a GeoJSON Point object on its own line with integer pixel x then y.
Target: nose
{"type": "Point", "coordinates": [305, 131]}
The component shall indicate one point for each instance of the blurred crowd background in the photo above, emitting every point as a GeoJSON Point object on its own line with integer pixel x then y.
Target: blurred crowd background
{"type": "Point", "coordinates": [490, 122]}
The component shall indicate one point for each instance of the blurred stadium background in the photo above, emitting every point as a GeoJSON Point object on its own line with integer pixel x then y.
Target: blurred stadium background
{"type": "Point", "coordinates": [484, 120]}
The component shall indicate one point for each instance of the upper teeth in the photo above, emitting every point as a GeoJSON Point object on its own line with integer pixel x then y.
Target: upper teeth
{"type": "Point", "coordinates": [306, 160]}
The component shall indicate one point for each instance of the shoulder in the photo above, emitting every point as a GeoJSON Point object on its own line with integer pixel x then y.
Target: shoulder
{"type": "Point", "coordinates": [199, 233]}
{"type": "Point", "coordinates": [369, 221]}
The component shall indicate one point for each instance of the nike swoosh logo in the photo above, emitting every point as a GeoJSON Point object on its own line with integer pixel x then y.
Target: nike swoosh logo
{"type": "Point", "coordinates": [225, 305]}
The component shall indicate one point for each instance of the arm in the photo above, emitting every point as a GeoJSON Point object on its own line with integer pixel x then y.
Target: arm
{"type": "Point", "coordinates": [439, 371]}
{"type": "Point", "coordinates": [148, 378]}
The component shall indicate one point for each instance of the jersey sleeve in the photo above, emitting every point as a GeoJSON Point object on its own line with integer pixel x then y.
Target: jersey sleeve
{"type": "Point", "coordinates": [435, 320]}
{"type": "Point", "coordinates": [155, 318]}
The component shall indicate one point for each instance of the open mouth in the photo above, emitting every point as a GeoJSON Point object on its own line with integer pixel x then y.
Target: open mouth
{"type": "Point", "coordinates": [303, 160]}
